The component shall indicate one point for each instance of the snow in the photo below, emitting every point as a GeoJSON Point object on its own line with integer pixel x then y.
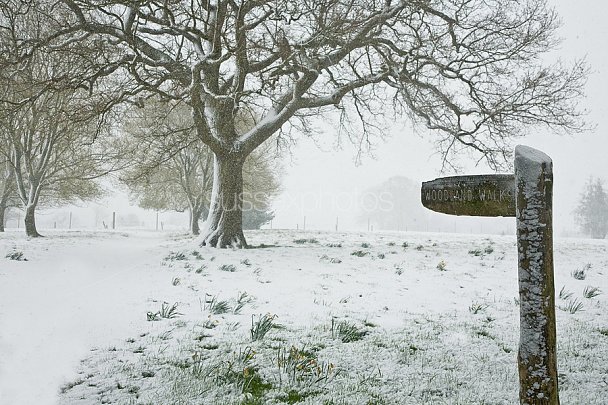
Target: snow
{"type": "Point", "coordinates": [73, 316]}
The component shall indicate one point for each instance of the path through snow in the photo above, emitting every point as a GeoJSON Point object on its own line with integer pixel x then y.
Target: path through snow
{"type": "Point", "coordinates": [79, 290]}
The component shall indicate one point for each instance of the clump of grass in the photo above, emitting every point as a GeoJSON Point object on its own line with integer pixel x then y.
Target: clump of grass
{"type": "Point", "coordinates": [442, 265]}
{"type": "Point", "coordinates": [216, 306]}
{"type": "Point", "coordinates": [175, 256]}
{"type": "Point", "coordinates": [475, 252]}
{"type": "Point", "coordinates": [197, 255]}
{"type": "Point", "coordinates": [175, 281]}
{"type": "Point", "coordinates": [346, 331]}
{"type": "Point", "coordinates": [405, 245]}
{"type": "Point", "coordinates": [153, 316]}
{"type": "Point", "coordinates": [169, 312]}
{"type": "Point", "coordinates": [334, 245]}
{"type": "Point", "coordinates": [200, 269]}
{"type": "Point", "coordinates": [262, 326]}
{"type": "Point", "coordinates": [391, 244]}
{"type": "Point", "coordinates": [166, 311]}
{"type": "Point", "coordinates": [573, 306]}
{"type": "Point", "coordinates": [302, 365]}
{"type": "Point", "coordinates": [240, 371]}
{"type": "Point", "coordinates": [581, 274]}
{"type": "Point", "coordinates": [590, 292]}
{"type": "Point", "coordinates": [304, 240]}
{"type": "Point", "coordinates": [381, 255]}
{"type": "Point", "coordinates": [231, 268]}
{"type": "Point", "coordinates": [476, 308]}
{"type": "Point", "coordinates": [564, 294]}
{"type": "Point", "coordinates": [488, 249]}
{"type": "Point", "coordinates": [246, 262]}
{"type": "Point", "coordinates": [242, 299]}
{"type": "Point", "coordinates": [327, 259]}
{"type": "Point", "coordinates": [365, 245]}
{"type": "Point", "coordinates": [359, 253]}
{"type": "Point", "coordinates": [16, 255]}
{"type": "Point", "coordinates": [419, 247]}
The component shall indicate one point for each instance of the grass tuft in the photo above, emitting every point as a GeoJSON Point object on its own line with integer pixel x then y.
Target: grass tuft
{"type": "Point", "coordinates": [573, 306]}
{"type": "Point", "coordinates": [304, 240]}
{"type": "Point", "coordinates": [346, 331]}
{"type": "Point", "coordinates": [16, 255]}
{"type": "Point", "coordinates": [231, 268]}
{"type": "Point", "coordinates": [262, 326]}
{"type": "Point", "coordinates": [359, 253]}
{"type": "Point", "coordinates": [564, 294]}
{"type": "Point", "coordinates": [581, 274]}
{"type": "Point", "coordinates": [590, 292]}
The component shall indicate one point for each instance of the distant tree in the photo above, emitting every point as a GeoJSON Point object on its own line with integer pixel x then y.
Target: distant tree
{"type": "Point", "coordinates": [55, 133]}
{"type": "Point", "coordinates": [7, 188]}
{"type": "Point", "coordinates": [171, 169]}
{"type": "Point", "coordinates": [393, 205]}
{"type": "Point", "coordinates": [592, 210]}
{"type": "Point", "coordinates": [470, 70]}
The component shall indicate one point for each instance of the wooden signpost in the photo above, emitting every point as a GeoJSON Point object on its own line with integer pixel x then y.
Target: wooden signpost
{"type": "Point", "coordinates": [528, 196]}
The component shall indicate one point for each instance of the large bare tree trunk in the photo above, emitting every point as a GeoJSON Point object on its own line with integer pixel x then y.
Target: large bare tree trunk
{"type": "Point", "coordinates": [195, 217]}
{"type": "Point", "coordinates": [2, 216]}
{"type": "Point", "coordinates": [30, 222]}
{"type": "Point", "coordinates": [224, 225]}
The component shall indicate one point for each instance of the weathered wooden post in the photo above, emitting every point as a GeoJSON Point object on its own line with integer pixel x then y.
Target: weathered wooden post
{"type": "Point", "coordinates": [528, 196]}
{"type": "Point", "coordinates": [537, 356]}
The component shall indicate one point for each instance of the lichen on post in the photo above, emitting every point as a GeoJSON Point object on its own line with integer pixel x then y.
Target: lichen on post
{"type": "Point", "coordinates": [537, 358]}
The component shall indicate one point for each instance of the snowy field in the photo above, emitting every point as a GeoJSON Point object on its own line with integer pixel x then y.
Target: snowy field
{"type": "Point", "coordinates": [305, 317]}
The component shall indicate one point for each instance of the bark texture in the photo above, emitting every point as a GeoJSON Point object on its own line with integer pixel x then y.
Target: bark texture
{"type": "Point", "coordinates": [30, 222]}
{"type": "Point", "coordinates": [2, 217]}
{"type": "Point", "coordinates": [537, 358]}
{"type": "Point", "coordinates": [224, 225]}
{"type": "Point", "coordinates": [195, 217]}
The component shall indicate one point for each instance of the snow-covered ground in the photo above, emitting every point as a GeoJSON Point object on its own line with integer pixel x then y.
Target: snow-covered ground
{"type": "Point", "coordinates": [383, 318]}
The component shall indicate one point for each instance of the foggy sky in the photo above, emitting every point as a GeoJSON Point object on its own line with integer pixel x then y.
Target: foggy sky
{"type": "Point", "coordinates": [332, 175]}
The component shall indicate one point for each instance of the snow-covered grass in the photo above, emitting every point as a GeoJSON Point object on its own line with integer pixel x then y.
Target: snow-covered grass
{"type": "Point", "coordinates": [303, 317]}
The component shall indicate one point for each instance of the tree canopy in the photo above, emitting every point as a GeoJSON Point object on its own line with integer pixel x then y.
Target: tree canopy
{"type": "Point", "coordinates": [470, 71]}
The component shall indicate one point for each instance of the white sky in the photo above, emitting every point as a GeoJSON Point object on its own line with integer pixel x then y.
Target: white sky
{"type": "Point", "coordinates": [319, 184]}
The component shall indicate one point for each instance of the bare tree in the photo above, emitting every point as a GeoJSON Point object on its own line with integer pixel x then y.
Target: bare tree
{"type": "Point", "coordinates": [170, 168]}
{"type": "Point", "coordinates": [469, 70]}
{"type": "Point", "coordinates": [7, 189]}
{"type": "Point", "coordinates": [51, 128]}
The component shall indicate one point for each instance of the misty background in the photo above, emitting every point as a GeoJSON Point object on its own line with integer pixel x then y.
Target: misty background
{"type": "Point", "coordinates": [325, 187]}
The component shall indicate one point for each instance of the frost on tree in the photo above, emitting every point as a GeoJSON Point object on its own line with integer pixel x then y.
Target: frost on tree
{"type": "Point", "coordinates": [537, 356]}
{"type": "Point", "coordinates": [469, 70]}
